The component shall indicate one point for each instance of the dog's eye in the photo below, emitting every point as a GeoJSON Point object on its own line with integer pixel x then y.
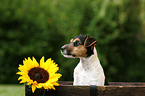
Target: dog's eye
{"type": "Point", "coordinates": [77, 43]}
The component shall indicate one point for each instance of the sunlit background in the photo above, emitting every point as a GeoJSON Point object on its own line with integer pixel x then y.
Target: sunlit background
{"type": "Point", "coordinates": [40, 27]}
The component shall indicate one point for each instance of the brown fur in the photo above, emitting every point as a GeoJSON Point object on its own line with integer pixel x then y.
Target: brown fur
{"type": "Point", "coordinates": [79, 51]}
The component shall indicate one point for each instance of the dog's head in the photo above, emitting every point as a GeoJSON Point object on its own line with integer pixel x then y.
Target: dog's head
{"type": "Point", "coordinates": [79, 46]}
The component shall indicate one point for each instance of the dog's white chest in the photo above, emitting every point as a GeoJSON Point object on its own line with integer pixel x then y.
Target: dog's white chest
{"type": "Point", "coordinates": [89, 72]}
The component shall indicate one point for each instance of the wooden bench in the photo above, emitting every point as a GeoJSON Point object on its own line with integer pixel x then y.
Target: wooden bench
{"type": "Point", "coordinates": [113, 89]}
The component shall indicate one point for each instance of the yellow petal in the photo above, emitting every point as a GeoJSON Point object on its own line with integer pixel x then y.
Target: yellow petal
{"type": "Point", "coordinates": [22, 68]}
{"type": "Point", "coordinates": [23, 81]}
{"type": "Point", "coordinates": [30, 62]}
{"type": "Point", "coordinates": [53, 87]}
{"type": "Point", "coordinates": [42, 62]}
{"type": "Point", "coordinates": [29, 82]}
{"type": "Point", "coordinates": [39, 85]}
{"type": "Point", "coordinates": [47, 64]}
{"type": "Point", "coordinates": [55, 76]}
{"type": "Point", "coordinates": [33, 88]}
{"type": "Point", "coordinates": [55, 83]}
{"type": "Point", "coordinates": [25, 58]}
{"type": "Point", "coordinates": [48, 61]}
{"type": "Point", "coordinates": [27, 64]}
{"type": "Point", "coordinates": [35, 62]}
{"type": "Point", "coordinates": [21, 77]}
{"type": "Point", "coordinates": [55, 69]}
{"type": "Point", "coordinates": [18, 73]}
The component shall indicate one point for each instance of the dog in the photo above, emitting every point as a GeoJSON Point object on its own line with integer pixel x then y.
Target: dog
{"type": "Point", "coordinates": [89, 70]}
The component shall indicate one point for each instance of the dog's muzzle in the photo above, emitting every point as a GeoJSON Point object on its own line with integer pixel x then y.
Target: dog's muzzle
{"type": "Point", "coordinates": [65, 52]}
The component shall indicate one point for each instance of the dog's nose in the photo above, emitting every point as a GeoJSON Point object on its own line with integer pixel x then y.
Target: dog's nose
{"type": "Point", "coordinates": [63, 48]}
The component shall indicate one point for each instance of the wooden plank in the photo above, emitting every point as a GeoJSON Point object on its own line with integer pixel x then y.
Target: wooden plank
{"type": "Point", "coordinates": [110, 83]}
{"type": "Point", "coordinates": [127, 83]}
{"type": "Point", "coordinates": [121, 91]}
{"type": "Point", "coordinates": [61, 91]}
{"type": "Point", "coordinates": [114, 89]}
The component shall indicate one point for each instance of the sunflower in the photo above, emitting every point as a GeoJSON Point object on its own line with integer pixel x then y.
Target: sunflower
{"type": "Point", "coordinates": [37, 75]}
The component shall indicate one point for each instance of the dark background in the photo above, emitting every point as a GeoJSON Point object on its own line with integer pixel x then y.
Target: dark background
{"type": "Point", "coordinates": [40, 27]}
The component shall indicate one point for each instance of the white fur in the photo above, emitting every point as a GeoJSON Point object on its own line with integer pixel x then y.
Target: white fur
{"type": "Point", "coordinates": [89, 71]}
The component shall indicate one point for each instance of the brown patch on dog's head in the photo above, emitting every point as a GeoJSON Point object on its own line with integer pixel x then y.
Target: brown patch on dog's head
{"type": "Point", "coordinates": [79, 51]}
{"type": "Point", "coordinates": [80, 46]}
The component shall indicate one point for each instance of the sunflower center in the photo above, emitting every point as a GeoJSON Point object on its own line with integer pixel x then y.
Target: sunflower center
{"type": "Point", "coordinates": [38, 74]}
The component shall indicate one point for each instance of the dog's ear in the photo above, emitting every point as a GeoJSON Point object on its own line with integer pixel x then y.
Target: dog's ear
{"type": "Point", "coordinates": [90, 41]}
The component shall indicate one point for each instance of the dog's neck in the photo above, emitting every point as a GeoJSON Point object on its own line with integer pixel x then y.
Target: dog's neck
{"type": "Point", "coordinates": [88, 63]}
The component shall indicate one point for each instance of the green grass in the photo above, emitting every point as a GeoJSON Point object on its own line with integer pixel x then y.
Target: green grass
{"type": "Point", "coordinates": [12, 90]}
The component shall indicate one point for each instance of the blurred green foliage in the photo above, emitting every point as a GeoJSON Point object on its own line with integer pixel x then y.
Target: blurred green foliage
{"type": "Point", "coordinates": [40, 27]}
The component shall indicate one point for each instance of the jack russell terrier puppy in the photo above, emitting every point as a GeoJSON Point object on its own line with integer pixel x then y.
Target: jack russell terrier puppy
{"type": "Point", "coordinates": [89, 70]}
